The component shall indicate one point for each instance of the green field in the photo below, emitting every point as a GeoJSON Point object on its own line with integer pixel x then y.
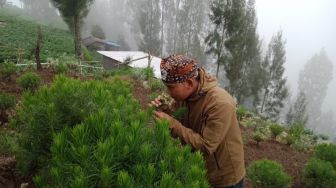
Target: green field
{"type": "Point", "coordinates": [18, 39]}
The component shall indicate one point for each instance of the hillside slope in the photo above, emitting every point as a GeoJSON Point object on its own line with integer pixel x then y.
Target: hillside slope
{"type": "Point", "coordinates": [18, 39]}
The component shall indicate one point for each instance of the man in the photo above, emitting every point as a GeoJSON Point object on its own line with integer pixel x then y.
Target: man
{"type": "Point", "coordinates": [210, 124]}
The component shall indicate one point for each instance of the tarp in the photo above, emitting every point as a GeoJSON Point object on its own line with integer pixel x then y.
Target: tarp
{"type": "Point", "coordinates": [138, 59]}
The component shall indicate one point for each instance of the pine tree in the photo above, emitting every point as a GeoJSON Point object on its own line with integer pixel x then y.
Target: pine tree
{"type": "Point", "coordinates": [235, 44]}
{"type": "Point", "coordinates": [274, 86]}
{"type": "Point", "coordinates": [313, 81]}
{"type": "Point", "coordinates": [73, 13]}
{"type": "Point", "coordinates": [252, 77]}
{"type": "Point", "coordinates": [219, 10]}
{"type": "Point", "coordinates": [171, 25]}
{"type": "Point", "coordinates": [191, 18]}
{"type": "Point", "coordinates": [298, 112]}
{"type": "Point", "coordinates": [148, 18]}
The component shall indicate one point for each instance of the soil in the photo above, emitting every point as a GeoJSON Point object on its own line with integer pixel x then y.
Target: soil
{"type": "Point", "coordinates": [292, 161]}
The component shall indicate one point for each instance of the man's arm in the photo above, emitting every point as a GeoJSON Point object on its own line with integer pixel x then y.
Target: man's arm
{"type": "Point", "coordinates": [216, 126]}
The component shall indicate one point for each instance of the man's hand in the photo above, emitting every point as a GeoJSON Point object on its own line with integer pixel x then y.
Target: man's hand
{"type": "Point", "coordinates": [163, 116]}
{"type": "Point", "coordinates": [156, 102]}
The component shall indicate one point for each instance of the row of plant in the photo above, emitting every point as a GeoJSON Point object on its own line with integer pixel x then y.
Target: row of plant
{"type": "Point", "coordinates": [18, 39]}
{"type": "Point", "coordinates": [295, 135]}
{"type": "Point", "coordinates": [94, 134]}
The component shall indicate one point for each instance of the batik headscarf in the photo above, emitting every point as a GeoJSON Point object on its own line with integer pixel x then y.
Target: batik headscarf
{"type": "Point", "coordinates": [177, 69]}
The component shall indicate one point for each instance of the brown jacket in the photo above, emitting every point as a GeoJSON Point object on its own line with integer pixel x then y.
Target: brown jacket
{"type": "Point", "coordinates": [210, 125]}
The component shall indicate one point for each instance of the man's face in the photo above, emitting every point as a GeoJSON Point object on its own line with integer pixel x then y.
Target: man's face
{"type": "Point", "coordinates": [179, 91]}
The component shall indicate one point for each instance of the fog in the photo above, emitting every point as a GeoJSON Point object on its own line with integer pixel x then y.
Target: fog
{"type": "Point", "coordinates": [308, 26]}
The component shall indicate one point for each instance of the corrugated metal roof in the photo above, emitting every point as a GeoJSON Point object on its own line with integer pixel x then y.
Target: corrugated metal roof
{"type": "Point", "coordinates": [140, 59]}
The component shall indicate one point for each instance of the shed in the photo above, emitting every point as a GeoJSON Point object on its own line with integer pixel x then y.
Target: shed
{"type": "Point", "coordinates": [136, 59]}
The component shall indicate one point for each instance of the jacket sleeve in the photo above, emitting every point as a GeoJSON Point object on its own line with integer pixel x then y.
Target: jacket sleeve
{"type": "Point", "coordinates": [216, 126]}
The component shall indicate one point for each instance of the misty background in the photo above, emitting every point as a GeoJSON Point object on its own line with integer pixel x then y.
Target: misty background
{"type": "Point", "coordinates": [308, 27]}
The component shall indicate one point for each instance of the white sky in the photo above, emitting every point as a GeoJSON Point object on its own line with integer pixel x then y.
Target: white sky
{"type": "Point", "coordinates": [308, 26]}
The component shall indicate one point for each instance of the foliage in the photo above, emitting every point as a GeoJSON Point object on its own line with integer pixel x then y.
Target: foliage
{"type": "Point", "coordinates": [18, 39]}
{"type": "Point", "coordinates": [318, 174]}
{"type": "Point", "coordinates": [313, 82]}
{"type": "Point", "coordinates": [274, 86]}
{"type": "Point", "coordinates": [148, 18]}
{"type": "Point", "coordinates": [97, 31]}
{"type": "Point", "coordinates": [7, 142]}
{"type": "Point", "coordinates": [47, 111]}
{"type": "Point", "coordinates": [61, 68]}
{"type": "Point", "coordinates": [233, 41]}
{"type": "Point", "coordinates": [297, 130]}
{"type": "Point", "coordinates": [241, 112]}
{"type": "Point", "coordinates": [7, 69]}
{"type": "Point", "coordinates": [276, 129]}
{"type": "Point", "coordinates": [29, 81]}
{"type": "Point", "coordinates": [73, 13]}
{"type": "Point", "coordinates": [298, 112]}
{"type": "Point", "coordinates": [266, 173]}
{"type": "Point", "coordinates": [87, 54]}
{"type": "Point", "coordinates": [258, 137]}
{"type": "Point", "coordinates": [326, 152]}
{"type": "Point", "coordinates": [98, 129]}
{"type": "Point", "coordinates": [7, 101]}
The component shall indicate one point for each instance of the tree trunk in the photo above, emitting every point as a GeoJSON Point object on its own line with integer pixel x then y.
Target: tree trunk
{"type": "Point", "coordinates": [38, 49]}
{"type": "Point", "coordinates": [77, 36]}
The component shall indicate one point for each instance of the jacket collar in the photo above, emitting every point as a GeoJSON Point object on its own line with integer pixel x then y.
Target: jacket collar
{"type": "Point", "coordinates": [206, 82]}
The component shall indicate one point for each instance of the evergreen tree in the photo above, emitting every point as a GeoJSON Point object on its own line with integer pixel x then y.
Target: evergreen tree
{"type": "Point", "coordinates": [274, 86]}
{"type": "Point", "coordinates": [191, 18]}
{"type": "Point", "coordinates": [73, 13]}
{"type": "Point", "coordinates": [298, 112]}
{"type": "Point", "coordinates": [313, 81]}
{"type": "Point", "coordinates": [219, 11]}
{"type": "Point", "coordinates": [251, 80]}
{"type": "Point", "coordinates": [235, 43]}
{"type": "Point", "coordinates": [171, 25]}
{"type": "Point", "coordinates": [148, 15]}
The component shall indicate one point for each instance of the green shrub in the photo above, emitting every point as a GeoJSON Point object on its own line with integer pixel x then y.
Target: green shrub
{"type": "Point", "coordinates": [61, 68]}
{"type": "Point", "coordinates": [7, 142]}
{"type": "Point", "coordinates": [98, 130]}
{"type": "Point", "coordinates": [290, 139]}
{"type": "Point", "coordinates": [276, 129]}
{"type": "Point", "coordinates": [47, 111]}
{"type": "Point", "coordinates": [297, 130]}
{"type": "Point", "coordinates": [6, 102]}
{"type": "Point", "coordinates": [266, 174]}
{"type": "Point", "coordinates": [29, 81]}
{"type": "Point", "coordinates": [318, 174]}
{"type": "Point", "coordinates": [7, 69]}
{"type": "Point", "coordinates": [326, 152]}
{"type": "Point", "coordinates": [106, 142]}
{"type": "Point", "coordinates": [241, 112]}
{"type": "Point", "coordinates": [258, 137]}
{"type": "Point", "coordinates": [149, 73]}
